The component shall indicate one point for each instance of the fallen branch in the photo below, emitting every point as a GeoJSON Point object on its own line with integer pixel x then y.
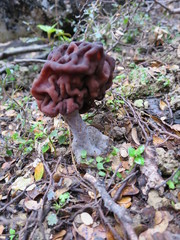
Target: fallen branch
{"type": "Point", "coordinates": [20, 50]}
{"type": "Point", "coordinates": [119, 211]}
{"type": "Point", "coordinates": [172, 11]}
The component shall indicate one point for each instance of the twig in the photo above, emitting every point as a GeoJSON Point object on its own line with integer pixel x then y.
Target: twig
{"type": "Point", "coordinates": [30, 60]}
{"type": "Point", "coordinates": [119, 211]}
{"type": "Point", "coordinates": [20, 50]}
{"type": "Point", "coordinates": [172, 11]}
{"type": "Point", "coordinates": [113, 176]}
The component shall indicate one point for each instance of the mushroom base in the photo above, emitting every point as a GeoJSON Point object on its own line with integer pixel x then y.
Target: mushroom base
{"type": "Point", "coordinates": [86, 138]}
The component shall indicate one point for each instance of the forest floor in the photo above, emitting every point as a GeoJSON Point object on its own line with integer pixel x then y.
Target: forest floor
{"type": "Point", "coordinates": [44, 194]}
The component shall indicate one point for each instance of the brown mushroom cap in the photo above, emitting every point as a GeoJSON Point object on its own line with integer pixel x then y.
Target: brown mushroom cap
{"type": "Point", "coordinates": [73, 77]}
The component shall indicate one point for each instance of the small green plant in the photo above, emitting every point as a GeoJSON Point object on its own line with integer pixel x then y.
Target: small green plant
{"type": "Point", "coordinates": [172, 184]}
{"type": "Point", "coordinates": [13, 234]}
{"type": "Point", "coordinates": [136, 154]}
{"type": "Point", "coordinates": [63, 199]}
{"type": "Point", "coordinates": [59, 33]}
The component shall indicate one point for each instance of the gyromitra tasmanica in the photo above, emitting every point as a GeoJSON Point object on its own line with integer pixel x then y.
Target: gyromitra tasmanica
{"type": "Point", "coordinates": [73, 77]}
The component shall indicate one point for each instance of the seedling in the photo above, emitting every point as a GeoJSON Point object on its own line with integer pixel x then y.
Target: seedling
{"type": "Point", "coordinates": [58, 32]}
{"type": "Point", "coordinates": [63, 199]}
{"type": "Point", "coordinates": [12, 235]}
{"type": "Point", "coordinates": [172, 184]}
{"type": "Point", "coordinates": [136, 154]}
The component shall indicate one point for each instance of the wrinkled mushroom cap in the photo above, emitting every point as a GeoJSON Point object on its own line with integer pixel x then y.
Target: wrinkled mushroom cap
{"type": "Point", "coordinates": [73, 77]}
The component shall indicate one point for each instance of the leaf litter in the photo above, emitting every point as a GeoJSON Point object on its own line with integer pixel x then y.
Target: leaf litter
{"type": "Point", "coordinates": [142, 109]}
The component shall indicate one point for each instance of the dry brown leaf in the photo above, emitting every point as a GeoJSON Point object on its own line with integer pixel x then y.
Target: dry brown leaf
{"type": "Point", "coordinates": [161, 220]}
{"type": "Point", "coordinates": [57, 177]}
{"type": "Point", "coordinates": [92, 195]}
{"type": "Point", "coordinates": [60, 191]}
{"type": "Point", "coordinates": [1, 229]}
{"type": "Point", "coordinates": [176, 127]}
{"type": "Point", "coordinates": [119, 230]}
{"type": "Point", "coordinates": [100, 231]}
{"type": "Point", "coordinates": [11, 113]}
{"type": "Point", "coordinates": [86, 218]}
{"type": "Point", "coordinates": [157, 140]}
{"type": "Point", "coordinates": [32, 205]}
{"type": "Point", "coordinates": [162, 105]}
{"type": "Point", "coordinates": [59, 235]}
{"type": "Point", "coordinates": [125, 202]}
{"type": "Point", "coordinates": [85, 231]}
{"type": "Point", "coordinates": [21, 183]}
{"type": "Point", "coordinates": [39, 171]}
{"type": "Point", "coordinates": [125, 165]}
{"type": "Point", "coordinates": [67, 182]}
{"type": "Point", "coordinates": [124, 152]}
{"type": "Point", "coordinates": [130, 190]}
{"type": "Point", "coordinates": [135, 136]}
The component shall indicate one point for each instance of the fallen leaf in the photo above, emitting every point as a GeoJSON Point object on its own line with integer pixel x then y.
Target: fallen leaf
{"type": "Point", "coordinates": [100, 232]}
{"type": "Point", "coordinates": [161, 221]}
{"type": "Point", "coordinates": [92, 195]}
{"type": "Point", "coordinates": [60, 235]}
{"type": "Point", "coordinates": [39, 171]}
{"type": "Point", "coordinates": [32, 205]}
{"type": "Point", "coordinates": [67, 182]}
{"type": "Point", "coordinates": [1, 229]}
{"type": "Point", "coordinates": [130, 190]}
{"type": "Point", "coordinates": [86, 218]}
{"type": "Point", "coordinates": [157, 140]}
{"type": "Point", "coordinates": [85, 231]}
{"type": "Point", "coordinates": [60, 191]}
{"type": "Point", "coordinates": [21, 183]}
{"type": "Point", "coordinates": [10, 113]}
{"type": "Point", "coordinates": [125, 202]}
{"type": "Point", "coordinates": [162, 105]}
{"type": "Point", "coordinates": [176, 127]}
{"type": "Point", "coordinates": [135, 136]}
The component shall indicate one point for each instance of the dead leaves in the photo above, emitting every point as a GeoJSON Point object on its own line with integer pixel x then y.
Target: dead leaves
{"type": "Point", "coordinates": [161, 221]}
{"type": "Point", "coordinates": [39, 171]}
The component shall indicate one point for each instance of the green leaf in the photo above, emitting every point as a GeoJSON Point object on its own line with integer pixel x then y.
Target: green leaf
{"type": "Point", "coordinates": [45, 148]}
{"type": "Point", "coordinates": [171, 185]}
{"type": "Point", "coordinates": [52, 219]}
{"type": "Point", "coordinates": [102, 174]}
{"type": "Point", "coordinates": [100, 166]}
{"type": "Point", "coordinates": [139, 160]}
{"type": "Point", "coordinates": [9, 152]}
{"type": "Point", "coordinates": [8, 71]}
{"type": "Point", "coordinates": [131, 152]}
{"type": "Point", "coordinates": [62, 139]}
{"type": "Point", "coordinates": [12, 233]}
{"type": "Point", "coordinates": [119, 175]}
{"type": "Point", "coordinates": [83, 154]}
{"type": "Point", "coordinates": [47, 29]}
{"type": "Point", "coordinates": [176, 178]}
{"type": "Point", "coordinates": [115, 151]}
{"type": "Point", "coordinates": [126, 19]}
{"type": "Point", "coordinates": [64, 197]}
{"type": "Point", "coordinates": [54, 133]}
{"type": "Point", "coordinates": [99, 159]}
{"type": "Point", "coordinates": [140, 150]}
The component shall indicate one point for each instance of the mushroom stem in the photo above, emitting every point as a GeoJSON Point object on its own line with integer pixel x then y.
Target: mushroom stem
{"type": "Point", "coordinates": [86, 137]}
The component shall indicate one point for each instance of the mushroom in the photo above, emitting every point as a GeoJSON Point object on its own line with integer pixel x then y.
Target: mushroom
{"type": "Point", "coordinates": [74, 76]}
